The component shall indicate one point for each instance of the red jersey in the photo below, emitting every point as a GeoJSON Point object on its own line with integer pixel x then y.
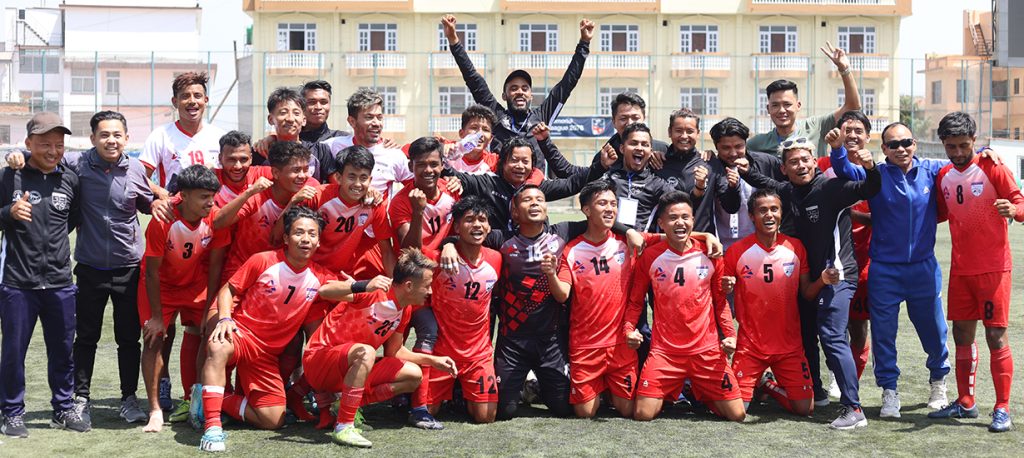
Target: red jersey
{"type": "Point", "coordinates": [275, 298]}
{"type": "Point", "coordinates": [437, 215]}
{"type": "Point", "coordinates": [980, 240]}
{"type": "Point", "coordinates": [767, 287]}
{"type": "Point", "coordinates": [599, 275]}
{"type": "Point", "coordinates": [351, 232]}
{"type": "Point", "coordinates": [370, 320]}
{"type": "Point", "coordinates": [688, 299]}
{"type": "Point", "coordinates": [251, 232]}
{"type": "Point", "coordinates": [229, 190]}
{"type": "Point", "coordinates": [462, 305]}
{"type": "Point", "coordinates": [861, 233]}
{"type": "Point", "coordinates": [185, 252]}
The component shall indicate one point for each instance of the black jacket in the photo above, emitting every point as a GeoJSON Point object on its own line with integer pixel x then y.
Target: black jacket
{"type": "Point", "coordinates": [320, 134]}
{"type": "Point", "coordinates": [320, 159]}
{"type": "Point", "coordinates": [818, 214]}
{"type": "Point", "coordinates": [646, 188]}
{"type": "Point", "coordinates": [37, 254]}
{"type": "Point", "coordinates": [616, 142]}
{"type": "Point", "coordinates": [678, 172]}
{"type": "Point", "coordinates": [507, 126]}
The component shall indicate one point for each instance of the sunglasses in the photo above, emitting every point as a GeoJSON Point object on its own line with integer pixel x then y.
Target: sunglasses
{"type": "Point", "coordinates": [795, 142]}
{"type": "Point", "coordinates": [895, 144]}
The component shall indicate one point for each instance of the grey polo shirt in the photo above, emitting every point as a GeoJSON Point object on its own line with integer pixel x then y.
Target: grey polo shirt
{"type": "Point", "coordinates": [112, 194]}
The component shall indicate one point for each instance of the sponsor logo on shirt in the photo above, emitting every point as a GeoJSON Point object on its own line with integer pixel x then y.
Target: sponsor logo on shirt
{"type": "Point", "coordinates": [659, 275]}
{"type": "Point", "coordinates": [746, 272]}
{"type": "Point", "coordinates": [788, 268]}
{"type": "Point", "coordinates": [449, 284]}
{"type": "Point", "coordinates": [270, 288]}
{"type": "Point", "coordinates": [976, 188]}
{"type": "Point", "coordinates": [170, 245]}
{"type": "Point", "coordinates": [578, 267]}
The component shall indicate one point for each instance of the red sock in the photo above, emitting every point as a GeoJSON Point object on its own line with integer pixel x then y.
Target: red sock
{"type": "Point", "coordinates": [294, 398]}
{"type": "Point", "coordinates": [213, 399]}
{"type": "Point", "coordinates": [350, 398]}
{"type": "Point", "coordinates": [862, 355]}
{"type": "Point", "coordinates": [187, 361]}
{"type": "Point", "coordinates": [234, 406]}
{"type": "Point", "coordinates": [324, 401]}
{"type": "Point", "coordinates": [378, 393]}
{"type": "Point", "coordinates": [1001, 364]}
{"type": "Point", "coordinates": [778, 394]}
{"type": "Point", "coordinates": [421, 396]}
{"type": "Point", "coordinates": [966, 367]}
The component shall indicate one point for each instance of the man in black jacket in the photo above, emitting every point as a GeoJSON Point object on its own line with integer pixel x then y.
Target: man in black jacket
{"type": "Point", "coordinates": [686, 170]}
{"type": "Point", "coordinates": [317, 94]}
{"type": "Point", "coordinates": [517, 119]}
{"type": "Point", "coordinates": [36, 274]}
{"type": "Point", "coordinates": [629, 108]}
{"type": "Point", "coordinates": [637, 188]}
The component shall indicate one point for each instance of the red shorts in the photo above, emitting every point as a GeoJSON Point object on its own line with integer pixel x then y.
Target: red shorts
{"type": "Point", "coordinates": [594, 370]}
{"type": "Point", "coordinates": [477, 378]}
{"type": "Point", "coordinates": [709, 373]}
{"type": "Point", "coordinates": [186, 302]}
{"type": "Point", "coordinates": [790, 369]}
{"type": "Point", "coordinates": [326, 368]}
{"type": "Point", "coordinates": [259, 374]}
{"type": "Point", "coordinates": [859, 307]}
{"type": "Point", "coordinates": [984, 297]}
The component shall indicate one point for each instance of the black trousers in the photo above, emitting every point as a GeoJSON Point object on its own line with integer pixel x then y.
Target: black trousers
{"type": "Point", "coordinates": [547, 356]}
{"type": "Point", "coordinates": [95, 287]}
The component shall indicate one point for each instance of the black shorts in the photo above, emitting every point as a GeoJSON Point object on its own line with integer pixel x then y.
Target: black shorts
{"type": "Point", "coordinates": [547, 356]}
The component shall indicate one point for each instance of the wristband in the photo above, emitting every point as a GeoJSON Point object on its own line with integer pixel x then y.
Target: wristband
{"type": "Point", "coordinates": [844, 72]}
{"type": "Point", "coordinates": [225, 319]}
{"type": "Point", "coordinates": [360, 286]}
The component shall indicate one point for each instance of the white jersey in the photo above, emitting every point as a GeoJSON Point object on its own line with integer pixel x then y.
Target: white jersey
{"type": "Point", "coordinates": [169, 150]}
{"type": "Point", "coordinates": [390, 169]}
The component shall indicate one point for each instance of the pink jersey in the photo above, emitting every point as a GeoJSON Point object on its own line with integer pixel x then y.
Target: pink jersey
{"type": "Point", "coordinates": [352, 229]}
{"type": "Point", "coordinates": [437, 215]}
{"type": "Point", "coordinates": [767, 287]}
{"type": "Point", "coordinates": [275, 298]}
{"type": "Point", "coordinates": [980, 240]}
{"type": "Point", "coordinates": [689, 305]}
{"type": "Point", "coordinates": [370, 320]}
{"type": "Point", "coordinates": [599, 274]}
{"type": "Point", "coordinates": [462, 305]}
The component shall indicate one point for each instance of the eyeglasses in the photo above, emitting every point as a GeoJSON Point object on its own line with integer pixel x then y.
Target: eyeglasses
{"type": "Point", "coordinates": [795, 142]}
{"type": "Point", "coordinates": [895, 144]}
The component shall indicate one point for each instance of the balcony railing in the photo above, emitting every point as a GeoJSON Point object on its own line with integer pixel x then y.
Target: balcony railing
{"type": "Point", "coordinates": [706, 121]}
{"type": "Point", "coordinates": [763, 124]}
{"type": "Point", "coordinates": [445, 60]}
{"type": "Point", "coordinates": [878, 123]}
{"type": "Point", "coordinates": [394, 123]}
{"type": "Point", "coordinates": [823, 2]}
{"type": "Point", "coordinates": [619, 61]}
{"type": "Point", "coordinates": [373, 60]}
{"type": "Point", "coordinates": [701, 62]}
{"type": "Point", "coordinates": [445, 123]}
{"type": "Point", "coordinates": [294, 60]}
{"type": "Point", "coordinates": [780, 62]}
{"type": "Point", "coordinates": [539, 60]}
{"type": "Point", "coordinates": [869, 63]}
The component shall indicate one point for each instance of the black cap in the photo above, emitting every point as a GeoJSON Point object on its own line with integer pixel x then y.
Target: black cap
{"type": "Point", "coordinates": [517, 74]}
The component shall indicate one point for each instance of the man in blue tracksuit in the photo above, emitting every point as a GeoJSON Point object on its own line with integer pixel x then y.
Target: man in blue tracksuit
{"type": "Point", "coordinates": [903, 265]}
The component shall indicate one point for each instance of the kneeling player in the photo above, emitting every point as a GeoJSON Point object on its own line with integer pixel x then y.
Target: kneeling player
{"type": "Point", "coordinates": [278, 290]}
{"type": "Point", "coordinates": [177, 274]}
{"type": "Point", "coordinates": [341, 354]}
{"type": "Point", "coordinates": [462, 305]}
{"type": "Point", "coordinates": [767, 269]}
{"type": "Point", "coordinates": [688, 301]}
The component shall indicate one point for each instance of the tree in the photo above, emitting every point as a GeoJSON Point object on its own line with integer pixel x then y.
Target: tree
{"type": "Point", "coordinates": [913, 115]}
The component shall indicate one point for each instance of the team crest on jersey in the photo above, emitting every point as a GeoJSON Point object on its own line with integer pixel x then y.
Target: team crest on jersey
{"type": "Point", "coordinates": [746, 272]}
{"type": "Point", "coordinates": [620, 257]}
{"type": "Point", "coordinates": [812, 213]}
{"type": "Point", "coordinates": [788, 268]}
{"type": "Point", "coordinates": [362, 218]}
{"type": "Point", "coordinates": [61, 201]}
{"type": "Point", "coordinates": [449, 284]}
{"type": "Point", "coordinates": [33, 196]}
{"type": "Point", "coordinates": [310, 294]}
{"type": "Point", "coordinates": [659, 274]}
{"type": "Point", "coordinates": [489, 284]}
{"type": "Point", "coordinates": [578, 267]}
{"type": "Point", "coordinates": [270, 288]}
{"type": "Point", "coordinates": [673, 181]}
{"type": "Point", "coordinates": [205, 241]}
{"type": "Point", "coordinates": [702, 272]}
{"type": "Point", "coordinates": [976, 188]}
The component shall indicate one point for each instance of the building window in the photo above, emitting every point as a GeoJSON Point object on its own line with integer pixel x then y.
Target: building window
{"type": "Point", "coordinates": [620, 38]}
{"type": "Point", "coordinates": [703, 101]}
{"type": "Point", "coordinates": [5, 135]}
{"type": "Point", "coordinates": [1016, 136]}
{"type": "Point", "coordinates": [762, 104]}
{"type": "Point", "coordinates": [698, 38]}
{"type": "Point", "coordinates": [113, 83]}
{"type": "Point", "coordinates": [466, 33]}
{"type": "Point", "coordinates": [38, 62]}
{"type": "Point", "coordinates": [538, 37]}
{"type": "Point", "coordinates": [83, 81]}
{"type": "Point", "coordinates": [378, 37]}
{"type": "Point", "coordinates": [607, 94]}
{"type": "Point", "coordinates": [390, 96]}
{"type": "Point", "coordinates": [80, 122]}
{"type": "Point", "coordinates": [857, 40]}
{"type": "Point", "coordinates": [38, 101]}
{"type": "Point", "coordinates": [778, 38]}
{"type": "Point", "coordinates": [961, 91]}
{"type": "Point", "coordinates": [539, 94]}
{"type": "Point", "coordinates": [868, 101]}
{"type": "Point", "coordinates": [296, 37]}
{"type": "Point", "coordinates": [453, 99]}
{"type": "Point", "coordinates": [999, 91]}
{"type": "Point", "coordinates": [936, 92]}
{"type": "Point", "coordinates": [1016, 86]}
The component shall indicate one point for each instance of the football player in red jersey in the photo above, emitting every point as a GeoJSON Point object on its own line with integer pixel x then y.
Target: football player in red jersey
{"type": "Point", "coordinates": [691, 311]}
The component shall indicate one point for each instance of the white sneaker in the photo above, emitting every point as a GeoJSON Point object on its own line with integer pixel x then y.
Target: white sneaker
{"type": "Point", "coordinates": [833, 388]}
{"type": "Point", "coordinates": [890, 404]}
{"type": "Point", "coordinates": [938, 399]}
